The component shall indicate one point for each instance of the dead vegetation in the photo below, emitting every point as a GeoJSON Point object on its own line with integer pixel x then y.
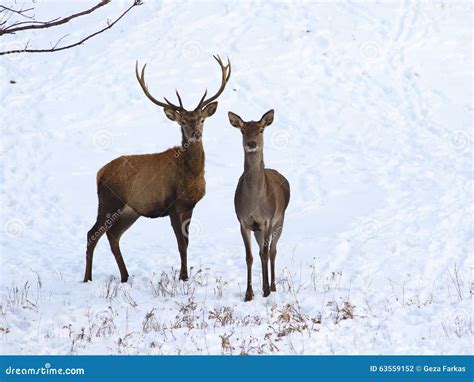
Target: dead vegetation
{"type": "Point", "coordinates": [168, 284]}
{"type": "Point", "coordinates": [340, 312]}
{"type": "Point", "coordinates": [166, 316]}
{"type": "Point", "coordinates": [17, 298]}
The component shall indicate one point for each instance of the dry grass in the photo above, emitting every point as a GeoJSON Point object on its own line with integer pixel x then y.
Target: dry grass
{"type": "Point", "coordinates": [176, 317]}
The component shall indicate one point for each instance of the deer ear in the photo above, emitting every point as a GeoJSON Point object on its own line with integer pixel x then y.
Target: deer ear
{"type": "Point", "coordinates": [267, 118]}
{"type": "Point", "coordinates": [209, 110]}
{"type": "Point", "coordinates": [171, 113]}
{"type": "Point", "coordinates": [235, 120]}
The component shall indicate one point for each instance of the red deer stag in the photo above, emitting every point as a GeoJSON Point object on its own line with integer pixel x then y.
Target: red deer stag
{"type": "Point", "coordinates": [261, 198]}
{"type": "Point", "coordinates": [155, 185]}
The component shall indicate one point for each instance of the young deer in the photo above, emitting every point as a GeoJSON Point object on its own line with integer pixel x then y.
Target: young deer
{"type": "Point", "coordinates": [155, 185]}
{"type": "Point", "coordinates": [261, 198]}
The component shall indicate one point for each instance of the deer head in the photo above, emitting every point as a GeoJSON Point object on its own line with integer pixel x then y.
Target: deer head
{"type": "Point", "coordinates": [191, 121]}
{"type": "Point", "coordinates": [252, 131]}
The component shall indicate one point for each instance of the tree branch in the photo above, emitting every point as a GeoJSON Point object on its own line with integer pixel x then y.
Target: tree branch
{"type": "Point", "coordinates": [55, 48]}
{"type": "Point", "coordinates": [48, 24]}
{"type": "Point", "coordinates": [20, 12]}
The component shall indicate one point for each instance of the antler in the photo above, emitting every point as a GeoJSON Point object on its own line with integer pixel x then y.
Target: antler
{"type": "Point", "coordinates": [225, 78]}
{"type": "Point", "coordinates": [141, 81]}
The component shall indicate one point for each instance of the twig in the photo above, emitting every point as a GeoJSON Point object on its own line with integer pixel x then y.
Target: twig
{"type": "Point", "coordinates": [51, 23]}
{"type": "Point", "coordinates": [57, 49]}
{"type": "Point", "coordinates": [20, 12]}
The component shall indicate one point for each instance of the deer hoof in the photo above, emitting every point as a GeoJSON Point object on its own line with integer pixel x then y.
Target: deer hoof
{"type": "Point", "coordinates": [124, 279]}
{"type": "Point", "coordinates": [249, 294]}
{"type": "Point", "coordinates": [183, 277]}
{"type": "Point", "coordinates": [87, 279]}
{"type": "Point", "coordinates": [273, 287]}
{"type": "Point", "coordinates": [266, 292]}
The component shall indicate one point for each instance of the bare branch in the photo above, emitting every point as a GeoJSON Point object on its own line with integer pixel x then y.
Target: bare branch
{"type": "Point", "coordinates": [48, 24]}
{"type": "Point", "coordinates": [55, 48]}
{"type": "Point", "coordinates": [57, 42]}
{"type": "Point", "coordinates": [20, 12]}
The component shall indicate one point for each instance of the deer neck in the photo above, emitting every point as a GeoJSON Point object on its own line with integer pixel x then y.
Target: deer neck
{"type": "Point", "coordinates": [193, 157]}
{"type": "Point", "coordinates": [254, 170]}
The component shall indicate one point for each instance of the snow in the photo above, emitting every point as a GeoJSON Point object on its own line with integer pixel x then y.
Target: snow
{"type": "Point", "coordinates": [373, 129]}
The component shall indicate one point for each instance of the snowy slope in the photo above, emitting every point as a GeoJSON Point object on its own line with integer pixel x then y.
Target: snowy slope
{"type": "Point", "coordinates": [373, 129]}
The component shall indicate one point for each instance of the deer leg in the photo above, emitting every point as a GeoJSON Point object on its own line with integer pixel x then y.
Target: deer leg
{"type": "Point", "coordinates": [124, 219]}
{"type": "Point", "coordinates": [93, 237]}
{"type": "Point", "coordinates": [180, 223]}
{"type": "Point", "coordinates": [263, 242]}
{"type": "Point", "coordinates": [273, 251]}
{"type": "Point", "coordinates": [249, 259]}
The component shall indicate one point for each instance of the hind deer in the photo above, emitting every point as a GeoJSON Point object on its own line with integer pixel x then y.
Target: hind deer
{"type": "Point", "coordinates": [155, 185]}
{"type": "Point", "coordinates": [261, 198]}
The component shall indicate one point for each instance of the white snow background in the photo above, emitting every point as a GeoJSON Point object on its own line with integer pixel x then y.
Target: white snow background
{"type": "Point", "coordinates": [373, 129]}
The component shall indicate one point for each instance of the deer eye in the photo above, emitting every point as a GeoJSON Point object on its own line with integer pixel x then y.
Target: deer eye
{"type": "Point", "coordinates": [261, 131]}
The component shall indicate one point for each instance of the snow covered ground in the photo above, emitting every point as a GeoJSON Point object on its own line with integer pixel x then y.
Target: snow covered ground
{"type": "Point", "coordinates": [373, 129]}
